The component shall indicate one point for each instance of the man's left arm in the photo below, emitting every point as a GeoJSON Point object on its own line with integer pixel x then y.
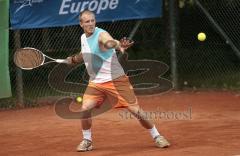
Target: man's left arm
{"type": "Point", "coordinates": [108, 42]}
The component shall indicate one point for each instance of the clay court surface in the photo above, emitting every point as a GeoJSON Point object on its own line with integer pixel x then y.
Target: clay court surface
{"type": "Point", "coordinates": [196, 124]}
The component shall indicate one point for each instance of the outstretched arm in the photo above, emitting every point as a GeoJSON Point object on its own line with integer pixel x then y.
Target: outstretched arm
{"type": "Point", "coordinates": [108, 42]}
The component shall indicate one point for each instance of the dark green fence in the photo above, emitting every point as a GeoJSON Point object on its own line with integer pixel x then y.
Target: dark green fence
{"type": "Point", "coordinates": [209, 65]}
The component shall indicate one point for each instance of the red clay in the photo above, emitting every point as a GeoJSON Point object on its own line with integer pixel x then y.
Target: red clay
{"type": "Point", "coordinates": [196, 124]}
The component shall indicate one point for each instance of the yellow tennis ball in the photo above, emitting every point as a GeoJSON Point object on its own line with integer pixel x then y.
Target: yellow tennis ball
{"type": "Point", "coordinates": [79, 99]}
{"type": "Point", "coordinates": [201, 36]}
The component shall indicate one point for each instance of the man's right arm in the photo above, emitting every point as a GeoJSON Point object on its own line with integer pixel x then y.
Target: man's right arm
{"type": "Point", "coordinates": [75, 59]}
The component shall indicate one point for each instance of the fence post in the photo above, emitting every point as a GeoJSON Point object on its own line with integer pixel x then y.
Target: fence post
{"type": "Point", "coordinates": [19, 79]}
{"type": "Point", "coordinates": [122, 57]}
{"type": "Point", "coordinates": [173, 17]}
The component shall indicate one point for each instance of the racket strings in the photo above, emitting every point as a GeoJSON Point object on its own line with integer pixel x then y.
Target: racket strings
{"type": "Point", "coordinates": [35, 59]}
{"type": "Point", "coordinates": [25, 55]}
{"type": "Point", "coordinates": [28, 58]}
{"type": "Point", "coordinates": [38, 57]}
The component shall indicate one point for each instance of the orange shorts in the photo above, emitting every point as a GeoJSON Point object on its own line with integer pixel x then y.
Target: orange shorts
{"type": "Point", "coordinates": [119, 93]}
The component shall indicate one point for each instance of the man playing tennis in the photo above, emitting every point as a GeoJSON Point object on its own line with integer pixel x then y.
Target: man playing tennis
{"type": "Point", "coordinates": [107, 78]}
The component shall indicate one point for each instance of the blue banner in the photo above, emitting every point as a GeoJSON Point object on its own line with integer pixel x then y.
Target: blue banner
{"type": "Point", "coordinates": [53, 13]}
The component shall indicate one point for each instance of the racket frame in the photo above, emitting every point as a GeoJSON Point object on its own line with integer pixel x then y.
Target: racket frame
{"type": "Point", "coordinates": [44, 58]}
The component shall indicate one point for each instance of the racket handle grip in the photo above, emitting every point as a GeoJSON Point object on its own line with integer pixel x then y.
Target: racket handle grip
{"type": "Point", "coordinates": [62, 61]}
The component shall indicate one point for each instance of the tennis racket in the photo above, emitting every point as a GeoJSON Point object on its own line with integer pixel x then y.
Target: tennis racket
{"type": "Point", "coordinates": [29, 58]}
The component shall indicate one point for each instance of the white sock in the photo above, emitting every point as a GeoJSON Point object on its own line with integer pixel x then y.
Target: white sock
{"type": "Point", "coordinates": [87, 134]}
{"type": "Point", "coordinates": [154, 132]}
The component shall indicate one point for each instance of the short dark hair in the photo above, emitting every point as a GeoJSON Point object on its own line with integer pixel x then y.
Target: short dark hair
{"type": "Point", "coordinates": [86, 11]}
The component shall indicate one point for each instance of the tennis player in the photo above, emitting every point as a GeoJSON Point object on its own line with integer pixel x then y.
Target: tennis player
{"type": "Point", "coordinates": [107, 79]}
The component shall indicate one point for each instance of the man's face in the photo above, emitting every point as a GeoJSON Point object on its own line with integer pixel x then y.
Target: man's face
{"type": "Point", "coordinates": [88, 23]}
